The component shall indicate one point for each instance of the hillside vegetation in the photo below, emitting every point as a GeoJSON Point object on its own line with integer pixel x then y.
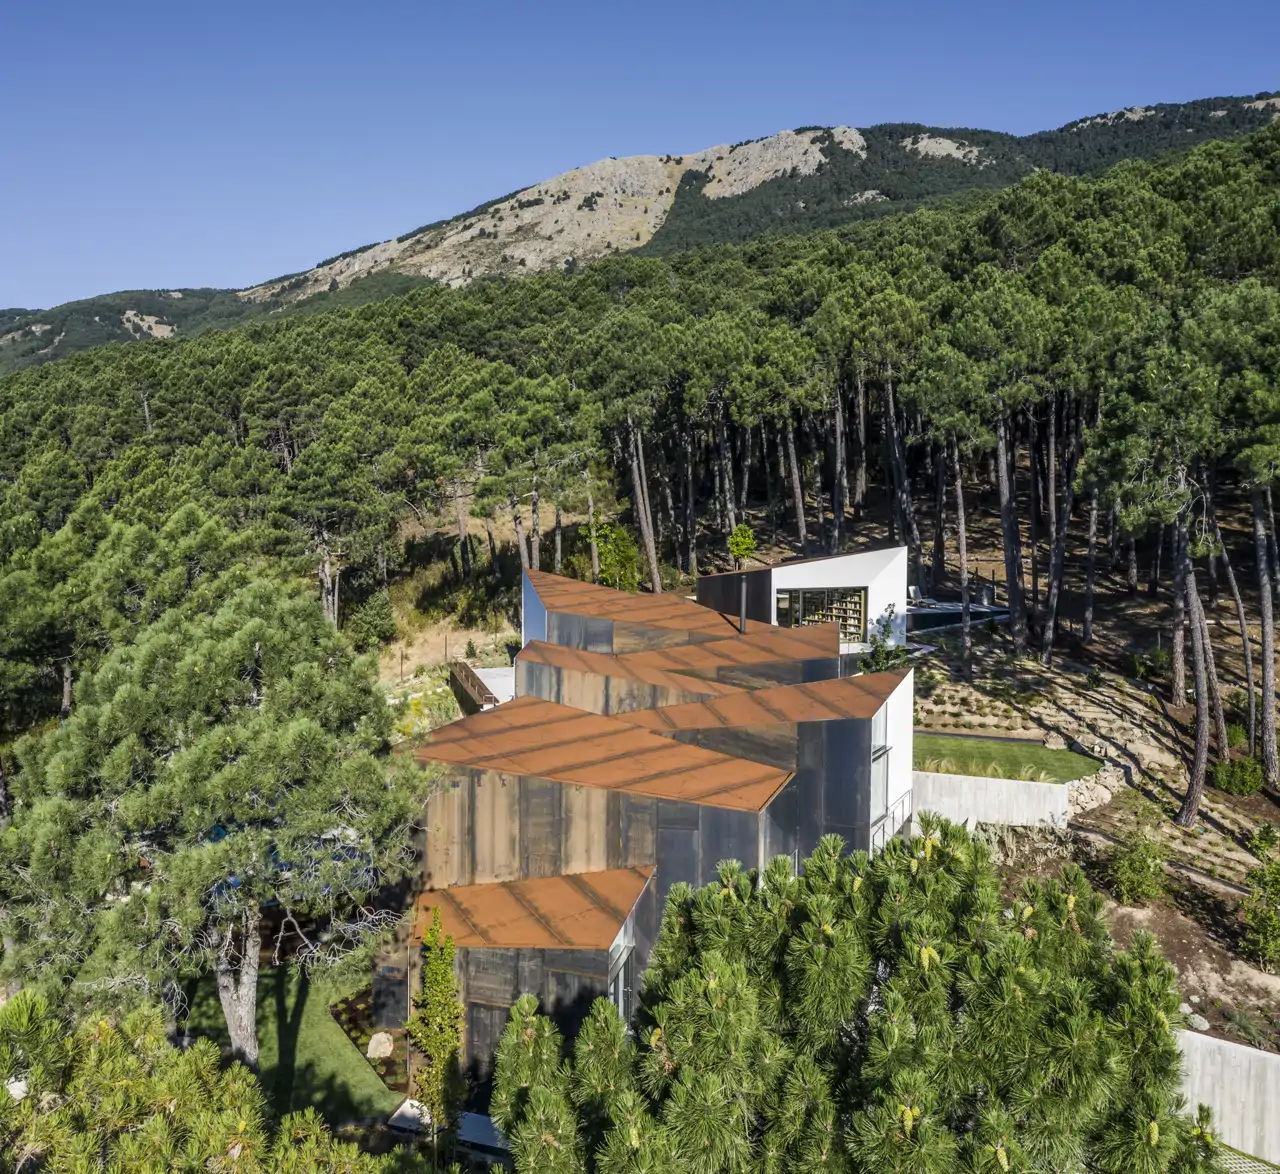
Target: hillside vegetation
{"type": "Point", "coordinates": [194, 532]}
{"type": "Point", "coordinates": [793, 181]}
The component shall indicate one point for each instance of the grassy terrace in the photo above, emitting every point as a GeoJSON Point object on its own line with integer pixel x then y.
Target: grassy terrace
{"type": "Point", "coordinates": [998, 758]}
{"type": "Point", "coordinates": [305, 1059]}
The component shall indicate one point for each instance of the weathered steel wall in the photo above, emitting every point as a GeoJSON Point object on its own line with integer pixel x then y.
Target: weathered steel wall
{"type": "Point", "coordinates": [566, 983]}
{"type": "Point", "coordinates": [595, 692]}
{"type": "Point", "coordinates": [773, 745]}
{"type": "Point", "coordinates": [723, 593]}
{"type": "Point", "coordinates": [485, 826]}
{"type": "Point", "coordinates": [584, 632]}
{"type": "Point", "coordinates": [1242, 1087]}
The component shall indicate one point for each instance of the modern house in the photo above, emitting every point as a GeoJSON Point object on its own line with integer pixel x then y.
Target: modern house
{"type": "Point", "coordinates": [853, 590]}
{"type": "Point", "coordinates": [649, 739]}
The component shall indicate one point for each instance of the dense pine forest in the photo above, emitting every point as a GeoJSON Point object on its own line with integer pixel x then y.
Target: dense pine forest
{"type": "Point", "coordinates": [193, 533]}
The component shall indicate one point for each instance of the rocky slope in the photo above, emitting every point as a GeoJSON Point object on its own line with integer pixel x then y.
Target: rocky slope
{"type": "Point", "coordinates": [792, 181]}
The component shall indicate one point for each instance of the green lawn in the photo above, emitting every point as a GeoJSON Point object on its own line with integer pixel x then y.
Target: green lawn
{"type": "Point", "coordinates": [996, 758]}
{"type": "Point", "coordinates": [305, 1057]}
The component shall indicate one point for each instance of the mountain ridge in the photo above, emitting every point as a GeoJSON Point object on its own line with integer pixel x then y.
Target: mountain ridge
{"type": "Point", "coordinates": [794, 180]}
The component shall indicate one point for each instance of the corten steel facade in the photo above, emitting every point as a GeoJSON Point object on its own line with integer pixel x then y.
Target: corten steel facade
{"type": "Point", "coordinates": [569, 940]}
{"type": "Point", "coordinates": [648, 735]}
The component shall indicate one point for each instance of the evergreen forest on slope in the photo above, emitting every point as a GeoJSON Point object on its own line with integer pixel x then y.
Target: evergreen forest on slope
{"type": "Point", "coordinates": [194, 532]}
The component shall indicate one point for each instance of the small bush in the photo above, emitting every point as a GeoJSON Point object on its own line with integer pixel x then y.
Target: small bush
{"type": "Point", "coordinates": [1094, 678]}
{"type": "Point", "coordinates": [471, 653]}
{"type": "Point", "coordinates": [1236, 735]}
{"type": "Point", "coordinates": [1262, 914]}
{"type": "Point", "coordinates": [1263, 841]}
{"type": "Point", "coordinates": [1137, 869]}
{"type": "Point", "coordinates": [373, 623]}
{"type": "Point", "coordinates": [1238, 776]}
{"type": "Point", "coordinates": [1159, 662]}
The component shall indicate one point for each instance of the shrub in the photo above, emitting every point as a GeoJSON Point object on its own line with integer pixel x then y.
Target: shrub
{"type": "Point", "coordinates": [1236, 735]}
{"type": "Point", "coordinates": [742, 543]}
{"type": "Point", "coordinates": [1238, 776]}
{"type": "Point", "coordinates": [619, 558]}
{"type": "Point", "coordinates": [1094, 678]}
{"type": "Point", "coordinates": [471, 653]}
{"type": "Point", "coordinates": [1262, 914]}
{"type": "Point", "coordinates": [373, 623]}
{"type": "Point", "coordinates": [1137, 869]}
{"type": "Point", "coordinates": [1263, 841]}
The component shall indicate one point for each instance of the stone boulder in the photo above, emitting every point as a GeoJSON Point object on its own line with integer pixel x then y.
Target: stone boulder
{"type": "Point", "coordinates": [1054, 741]}
{"type": "Point", "coordinates": [381, 1045]}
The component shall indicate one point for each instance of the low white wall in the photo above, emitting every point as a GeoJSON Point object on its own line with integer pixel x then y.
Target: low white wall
{"type": "Point", "coordinates": [972, 799]}
{"type": "Point", "coordinates": [1242, 1087]}
{"type": "Point", "coordinates": [901, 737]}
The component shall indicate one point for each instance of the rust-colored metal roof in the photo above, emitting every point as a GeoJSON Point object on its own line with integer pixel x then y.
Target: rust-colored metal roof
{"type": "Point", "coordinates": [605, 665]}
{"type": "Point", "coordinates": [655, 611]}
{"type": "Point", "coordinates": [771, 644]}
{"type": "Point", "coordinates": [840, 697]}
{"type": "Point", "coordinates": [579, 911]}
{"type": "Point", "coordinates": [529, 736]}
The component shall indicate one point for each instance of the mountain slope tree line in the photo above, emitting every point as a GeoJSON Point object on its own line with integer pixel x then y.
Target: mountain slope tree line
{"type": "Point", "coordinates": [183, 524]}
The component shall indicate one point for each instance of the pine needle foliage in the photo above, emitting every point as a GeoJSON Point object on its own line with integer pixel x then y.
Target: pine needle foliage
{"type": "Point", "coordinates": [435, 1030]}
{"type": "Point", "coordinates": [115, 1096]}
{"type": "Point", "coordinates": [869, 1015]}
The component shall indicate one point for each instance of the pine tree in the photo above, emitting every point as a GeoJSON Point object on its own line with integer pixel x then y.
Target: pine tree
{"type": "Point", "coordinates": [869, 1015]}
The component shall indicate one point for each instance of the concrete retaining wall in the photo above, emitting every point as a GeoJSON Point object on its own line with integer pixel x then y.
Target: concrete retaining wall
{"type": "Point", "coordinates": [1242, 1087]}
{"type": "Point", "coordinates": [972, 799]}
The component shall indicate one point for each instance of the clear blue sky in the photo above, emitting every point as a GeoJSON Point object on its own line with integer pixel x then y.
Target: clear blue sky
{"type": "Point", "coordinates": [161, 145]}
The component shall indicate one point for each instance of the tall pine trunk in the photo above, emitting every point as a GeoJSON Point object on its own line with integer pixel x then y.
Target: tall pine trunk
{"type": "Point", "coordinates": [1186, 816]}
{"type": "Point", "coordinates": [1057, 549]}
{"type": "Point", "coordinates": [690, 514]}
{"type": "Point", "coordinates": [558, 560]}
{"type": "Point", "coordinates": [1215, 688]}
{"type": "Point", "coordinates": [1091, 567]}
{"type": "Point", "coordinates": [1131, 568]}
{"type": "Point", "coordinates": [841, 480]}
{"type": "Point", "coordinates": [1242, 620]}
{"type": "Point", "coordinates": [1177, 644]}
{"type": "Point", "coordinates": [518, 523]}
{"type": "Point", "coordinates": [235, 968]}
{"type": "Point", "coordinates": [1267, 701]}
{"type": "Point", "coordinates": [860, 474]}
{"type": "Point", "coordinates": [1012, 544]}
{"type": "Point", "coordinates": [966, 638]}
{"type": "Point", "coordinates": [642, 509]}
{"type": "Point", "coordinates": [797, 487]}
{"type": "Point", "coordinates": [726, 471]}
{"type": "Point", "coordinates": [901, 479]}
{"type": "Point", "coordinates": [462, 530]}
{"type": "Point", "coordinates": [535, 532]}
{"type": "Point", "coordinates": [493, 545]}
{"type": "Point", "coordinates": [939, 560]}
{"type": "Point", "coordinates": [591, 533]}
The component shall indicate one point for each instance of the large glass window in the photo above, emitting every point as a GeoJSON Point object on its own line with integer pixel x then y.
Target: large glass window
{"type": "Point", "coordinates": [846, 606]}
{"type": "Point", "coordinates": [879, 782]}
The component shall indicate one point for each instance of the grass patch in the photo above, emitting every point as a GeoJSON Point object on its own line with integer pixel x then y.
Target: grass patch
{"type": "Point", "coordinates": [305, 1058]}
{"type": "Point", "coordinates": [996, 758]}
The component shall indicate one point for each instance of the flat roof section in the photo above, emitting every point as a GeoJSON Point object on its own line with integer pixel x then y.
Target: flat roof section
{"type": "Point", "coordinates": [578, 911]}
{"type": "Point", "coordinates": [868, 558]}
{"type": "Point", "coordinates": [529, 736]}
{"type": "Point", "coordinates": [840, 697]}
{"type": "Point", "coordinates": [579, 598]}
{"type": "Point", "coordinates": [771, 644]}
{"type": "Point", "coordinates": [605, 665]}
